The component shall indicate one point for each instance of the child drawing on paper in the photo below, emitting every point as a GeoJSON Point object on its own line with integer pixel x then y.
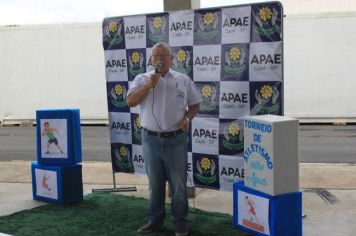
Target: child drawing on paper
{"type": "Point", "coordinates": [250, 207]}
{"type": "Point", "coordinates": [51, 138]}
{"type": "Point", "coordinates": [44, 182]}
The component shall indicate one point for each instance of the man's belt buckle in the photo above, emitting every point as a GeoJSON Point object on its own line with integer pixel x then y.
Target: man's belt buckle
{"type": "Point", "coordinates": [167, 134]}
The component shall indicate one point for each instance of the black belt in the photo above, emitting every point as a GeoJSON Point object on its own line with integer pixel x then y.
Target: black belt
{"type": "Point", "coordinates": [165, 134]}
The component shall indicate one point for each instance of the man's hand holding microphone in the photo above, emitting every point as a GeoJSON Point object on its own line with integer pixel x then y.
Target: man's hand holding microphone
{"type": "Point", "coordinates": [155, 77]}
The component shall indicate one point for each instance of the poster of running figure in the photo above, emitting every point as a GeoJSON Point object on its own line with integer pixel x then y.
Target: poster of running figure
{"type": "Point", "coordinates": [46, 183]}
{"type": "Point", "coordinates": [253, 212]}
{"type": "Point", "coordinates": [54, 138]}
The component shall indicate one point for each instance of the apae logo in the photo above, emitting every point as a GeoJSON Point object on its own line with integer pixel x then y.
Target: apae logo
{"type": "Point", "coordinates": [118, 96]}
{"type": "Point", "coordinates": [230, 174]}
{"type": "Point", "coordinates": [138, 159]}
{"type": "Point", "coordinates": [208, 25]}
{"type": "Point", "coordinates": [209, 96]}
{"type": "Point", "coordinates": [181, 25]}
{"type": "Point", "coordinates": [206, 171]}
{"type": "Point", "coordinates": [267, 100]}
{"type": "Point", "coordinates": [233, 139]}
{"type": "Point", "coordinates": [157, 29]}
{"type": "Point", "coordinates": [181, 61]}
{"type": "Point", "coordinates": [235, 62]}
{"type": "Point", "coordinates": [181, 28]}
{"type": "Point", "coordinates": [116, 65]}
{"type": "Point", "coordinates": [273, 59]}
{"type": "Point", "coordinates": [266, 20]}
{"type": "Point", "coordinates": [113, 33]}
{"type": "Point", "coordinates": [123, 158]}
{"type": "Point", "coordinates": [229, 99]}
{"type": "Point", "coordinates": [137, 128]}
{"type": "Point", "coordinates": [236, 22]}
{"type": "Point", "coordinates": [202, 135]}
{"type": "Point", "coordinates": [136, 60]}
{"type": "Point", "coordinates": [135, 31]}
{"type": "Point", "coordinates": [120, 127]}
{"type": "Point", "coordinates": [207, 61]}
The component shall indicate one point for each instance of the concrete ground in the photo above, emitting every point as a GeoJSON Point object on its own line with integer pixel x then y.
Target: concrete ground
{"type": "Point", "coordinates": [328, 193]}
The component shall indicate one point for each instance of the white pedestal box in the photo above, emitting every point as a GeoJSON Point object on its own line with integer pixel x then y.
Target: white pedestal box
{"type": "Point", "coordinates": [271, 154]}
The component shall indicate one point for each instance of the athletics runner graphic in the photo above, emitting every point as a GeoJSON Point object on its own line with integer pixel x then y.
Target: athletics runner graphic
{"type": "Point", "coordinates": [51, 138]}
{"type": "Point", "coordinates": [250, 207]}
{"type": "Point", "coordinates": [45, 183]}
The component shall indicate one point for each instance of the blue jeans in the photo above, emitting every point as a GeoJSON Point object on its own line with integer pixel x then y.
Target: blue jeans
{"type": "Point", "coordinates": [166, 160]}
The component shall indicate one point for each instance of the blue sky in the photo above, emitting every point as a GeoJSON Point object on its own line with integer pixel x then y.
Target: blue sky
{"type": "Point", "coordinates": [28, 12]}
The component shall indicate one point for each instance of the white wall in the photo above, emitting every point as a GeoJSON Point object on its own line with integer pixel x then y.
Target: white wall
{"type": "Point", "coordinates": [302, 7]}
{"type": "Point", "coordinates": [60, 66]}
{"type": "Point", "coordinates": [52, 66]}
{"type": "Point", "coordinates": [294, 7]}
{"type": "Point", "coordinates": [320, 67]}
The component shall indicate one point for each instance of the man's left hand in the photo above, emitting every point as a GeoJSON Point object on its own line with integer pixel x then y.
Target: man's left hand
{"type": "Point", "coordinates": [184, 124]}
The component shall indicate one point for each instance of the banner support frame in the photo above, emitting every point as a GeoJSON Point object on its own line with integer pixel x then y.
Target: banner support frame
{"type": "Point", "coordinates": [115, 189]}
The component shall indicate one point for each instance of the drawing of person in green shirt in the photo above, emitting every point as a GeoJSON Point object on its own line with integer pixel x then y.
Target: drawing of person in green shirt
{"type": "Point", "coordinates": [51, 138]}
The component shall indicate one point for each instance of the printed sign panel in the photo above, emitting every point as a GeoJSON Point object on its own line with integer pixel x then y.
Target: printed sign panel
{"type": "Point", "coordinates": [120, 127]}
{"type": "Point", "coordinates": [190, 182]}
{"type": "Point", "coordinates": [253, 212]}
{"type": "Point", "coordinates": [234, 99]}
{"type": "Point", "coordinates": [206, 170]}
{"type": "Point", "coordinates": [54, 138]}
{"type": "Point", "coordinates": [234, 66]}
{"type": "Point", "coordinates": [236, 23]}
{"type": "Point", "coordinates": [231, 136]}
{"type": "Point", "coordinates": [135, 32]}
{"type": "Point", "coordinates": [207, 29]}
{"type": "Point", "coordinates": [138, 160]}
{"type": "Point", "coordinates": [121, 158]}
{"type": "Point", "coordinates": [234, 56]}
{"type": "Point", "coordinates": [231, 170]}
{"type": "Point", "coordinates": [206, 63]}
{"type": "Point", "coordinates": [266, 61]}
{"type": "Point", "coordinates": [181, 28]}
{"type": "Point", "coordinates": [113, 33]}
{"type": "Point", "coordinates": [116, 65]}
{"type": "Point", "coordinates": [46, 183]}
{"type": "Point", "coordinates": [157, 28]}
{"type": "Point", "coordinates": [205, 135]}
{"type": "Point", "coordinates": [116, 95]}
{"type": "Point", "coordinates": [266, 22]}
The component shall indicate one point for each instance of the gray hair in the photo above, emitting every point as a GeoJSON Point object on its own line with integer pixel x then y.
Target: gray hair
{"type": "Point", "coordinates": [163, 45]}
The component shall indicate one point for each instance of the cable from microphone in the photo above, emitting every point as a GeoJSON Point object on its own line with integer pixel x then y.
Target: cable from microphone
{"type": "Point", "coordinates": [157, 66]}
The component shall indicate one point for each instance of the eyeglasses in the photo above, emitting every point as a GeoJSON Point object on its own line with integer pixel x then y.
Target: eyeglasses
{"type": "Point", "coordinates": [160, 56]}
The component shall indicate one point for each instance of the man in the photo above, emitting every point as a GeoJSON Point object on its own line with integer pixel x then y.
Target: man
{"type": "Point", "coordinates": [168, 102]}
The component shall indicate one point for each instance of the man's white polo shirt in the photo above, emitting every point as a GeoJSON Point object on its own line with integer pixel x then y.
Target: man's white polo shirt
{"type": "Point", "coordinates": [170, 99]}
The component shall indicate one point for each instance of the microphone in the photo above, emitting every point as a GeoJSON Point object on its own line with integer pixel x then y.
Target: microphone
{"type": "Point", "coordinates": [157, 66]}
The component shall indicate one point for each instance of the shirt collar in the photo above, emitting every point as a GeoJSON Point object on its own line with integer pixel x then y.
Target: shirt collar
{"type": "Point", "coordinates": [169, 74]}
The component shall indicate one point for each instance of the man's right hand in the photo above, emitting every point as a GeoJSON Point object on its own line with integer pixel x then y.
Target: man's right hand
{"type": "Point", "coordinates": [154, 80]}
{"type": "Point", "coordinates": [137, 96]}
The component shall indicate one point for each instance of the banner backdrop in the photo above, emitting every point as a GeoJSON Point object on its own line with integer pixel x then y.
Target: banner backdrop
{"type": "Point", "coordinates": [233, 54]}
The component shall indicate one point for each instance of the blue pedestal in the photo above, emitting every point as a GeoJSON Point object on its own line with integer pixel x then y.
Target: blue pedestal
{"type": "Point", "coordinates": [58, 137]}
{"type": "Point", "coordinates": [281, 214]}
{"type": "Point", "coordinates": [57, 184]}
